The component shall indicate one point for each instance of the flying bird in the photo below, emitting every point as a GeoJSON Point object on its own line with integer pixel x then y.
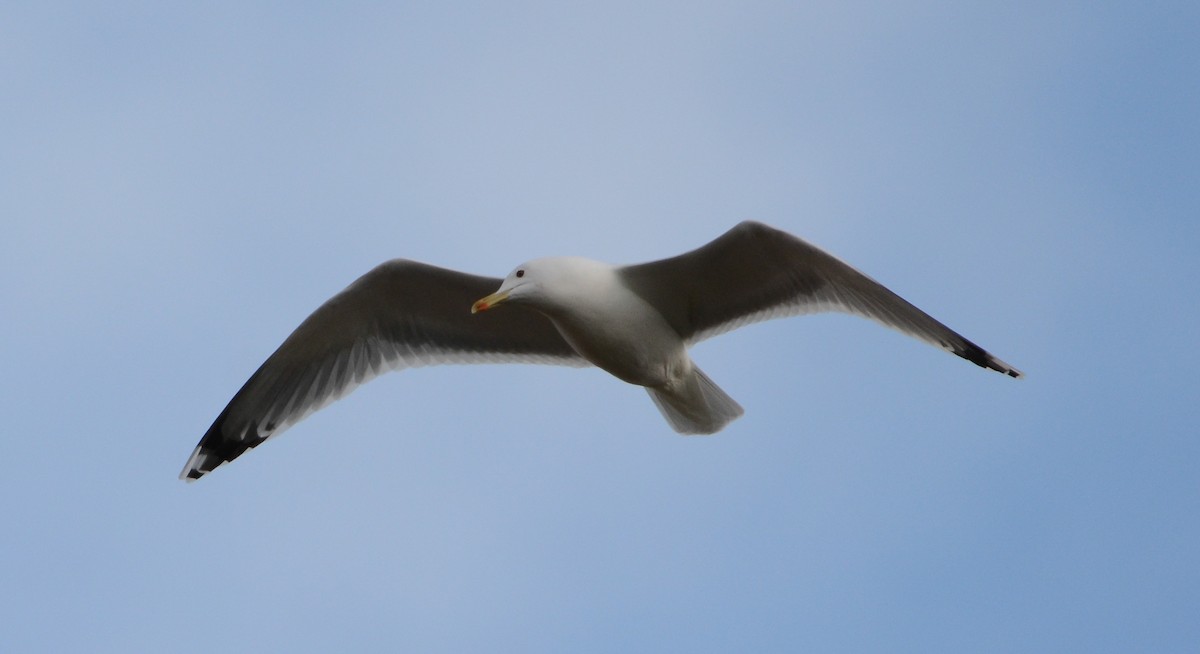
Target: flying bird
{"type": "Point", "coordinates": [636, 322]}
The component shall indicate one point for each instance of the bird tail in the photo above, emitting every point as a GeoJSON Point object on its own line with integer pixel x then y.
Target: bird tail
{"type": "Point", "coordinates": [696, 406]}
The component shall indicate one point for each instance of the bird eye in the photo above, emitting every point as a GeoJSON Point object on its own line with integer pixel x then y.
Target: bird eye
{"type": "Point", "coordinates": [520, 273]}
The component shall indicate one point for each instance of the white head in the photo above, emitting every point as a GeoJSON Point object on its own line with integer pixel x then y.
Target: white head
{"type": "Point", "coordinates": [546, 283]}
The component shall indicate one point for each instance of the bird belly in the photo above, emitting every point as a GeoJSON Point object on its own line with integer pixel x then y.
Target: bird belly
{"type": "Point", "coordinates": [643, 352]}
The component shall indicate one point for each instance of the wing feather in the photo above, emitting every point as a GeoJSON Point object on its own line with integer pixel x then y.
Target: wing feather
{"type": "Point", "coordinates": [754, 272]}
{"type": "Point", "coordinates": [402, 314]}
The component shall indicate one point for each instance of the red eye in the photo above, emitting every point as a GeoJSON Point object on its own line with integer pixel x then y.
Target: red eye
{"type": "Point", "coordinates": [520, 273]}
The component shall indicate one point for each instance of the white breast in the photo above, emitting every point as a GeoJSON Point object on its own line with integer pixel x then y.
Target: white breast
{"type": "Point", "coordinates": [614, 328]}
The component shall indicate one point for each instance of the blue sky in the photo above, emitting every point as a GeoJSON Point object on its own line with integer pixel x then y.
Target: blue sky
{"type": "Point", "coordinates": [180, 185]}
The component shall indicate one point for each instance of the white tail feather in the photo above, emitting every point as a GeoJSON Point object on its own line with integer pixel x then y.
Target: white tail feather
{"type": "Point", "coordinates": [696, 406]}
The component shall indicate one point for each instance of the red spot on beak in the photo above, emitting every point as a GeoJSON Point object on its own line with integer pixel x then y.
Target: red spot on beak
{"type": "Point", "coordinates": [486, 303]}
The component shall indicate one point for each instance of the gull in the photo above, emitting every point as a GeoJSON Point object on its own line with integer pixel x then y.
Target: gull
{"type": "Point", "coordinates": [635, 322]}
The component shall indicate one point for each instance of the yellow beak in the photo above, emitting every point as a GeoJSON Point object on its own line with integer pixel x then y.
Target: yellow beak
{"type": "Point", "coordinates": [483, 304]}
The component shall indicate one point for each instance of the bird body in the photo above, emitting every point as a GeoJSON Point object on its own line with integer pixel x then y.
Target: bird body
{"type": "Point", "coordinates": [635, 322]}
{"type": "Point", "coordinates": [607, 323]}
{"type": "Point", "coordinates": [604, 321]}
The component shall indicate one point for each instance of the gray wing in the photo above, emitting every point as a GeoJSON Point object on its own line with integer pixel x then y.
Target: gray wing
{"type": "Point", "coordinates": [402, 314]}
{"type": "Point", "coordinates": [754, 272]}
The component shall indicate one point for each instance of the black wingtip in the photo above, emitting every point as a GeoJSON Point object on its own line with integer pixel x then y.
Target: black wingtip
{"type": "Point", "coordinates": [219, 447]}
{"type": "Point", "coordinates": [191, 474]}
{"type": "Point", "coordinates": [982, 358]}
{"type": "Point", "coordinates": [202, 461]}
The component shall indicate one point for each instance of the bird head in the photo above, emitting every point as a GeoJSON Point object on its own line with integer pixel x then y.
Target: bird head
{"type": "Point", "coordinates": [520, 283]}
{"type": "Point", "coordinates": [544, 283]}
